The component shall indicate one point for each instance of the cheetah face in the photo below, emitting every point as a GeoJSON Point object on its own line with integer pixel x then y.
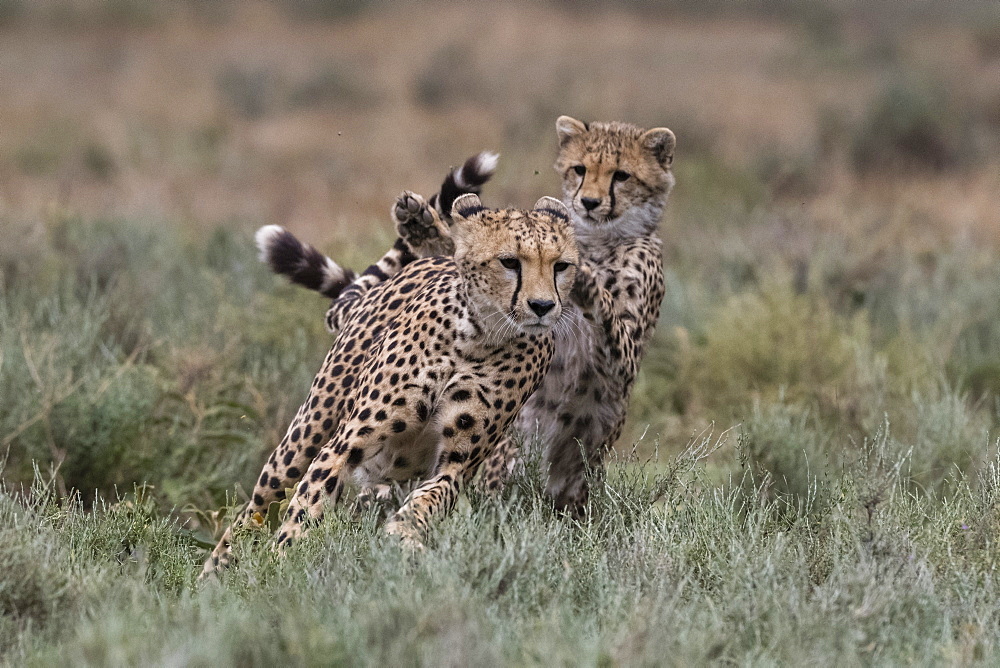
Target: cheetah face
{"type": "Point", "coordinates": [519, 266]}
{"type": "Point", "coordinates": [609, 169]}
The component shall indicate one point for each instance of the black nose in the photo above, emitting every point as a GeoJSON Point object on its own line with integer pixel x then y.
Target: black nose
{"type": "Point", "coordinates": [589, 203]}
{"type": "Point", "coordinates": [540, 306]}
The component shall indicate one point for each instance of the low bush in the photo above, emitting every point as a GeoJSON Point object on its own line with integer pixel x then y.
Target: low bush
{"type": "Point", "coordinates": [911, 126]}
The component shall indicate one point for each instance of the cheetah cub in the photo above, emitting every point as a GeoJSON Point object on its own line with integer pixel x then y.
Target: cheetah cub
{"type": "Point", "coordinates": [616, 178]}
{"type": "Point", "coordinates": [427, 372]}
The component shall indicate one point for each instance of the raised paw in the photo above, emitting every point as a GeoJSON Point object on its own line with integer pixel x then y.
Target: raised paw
{"type": "Point", "coordinates": [420, 226]}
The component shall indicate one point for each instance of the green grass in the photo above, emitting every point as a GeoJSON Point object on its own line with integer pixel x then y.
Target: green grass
{"type": "Point", "coordinates": [844, 511]}
{"type": "Point", "coordinates": [729, 573]}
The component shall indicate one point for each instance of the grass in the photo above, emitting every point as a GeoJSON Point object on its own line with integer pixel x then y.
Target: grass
{"type": "Point", "coordinates": [830, 335]}
{"type": "Point", "coordinates": [846, 512]}
{"type": "Point", "coordinates": [878, 572]}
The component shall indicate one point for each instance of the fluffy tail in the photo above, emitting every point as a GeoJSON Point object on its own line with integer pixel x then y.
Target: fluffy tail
{"type": "Point", "coordinates": [306, 266]}
{"type": "Point", "coordinates": [469, 178]}
{"type": "Point", "coordinates": [301, 263]}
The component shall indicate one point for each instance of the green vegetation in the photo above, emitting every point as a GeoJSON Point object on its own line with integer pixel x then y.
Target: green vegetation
{"type": "Point", "coordinates": [860, 567]}
{"type": "Point", "coordinates": [910, 126]}
{"type": "Point", "coordinates": [830, 334]}
{"type": "Point", "coordinates": [846, 513]}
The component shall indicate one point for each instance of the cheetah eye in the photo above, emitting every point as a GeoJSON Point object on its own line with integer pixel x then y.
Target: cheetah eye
{"type": "Point", "coordinates": [621, 176]}
{"type": "Point", "coordinates": [560, 266]}
{"type": "Point", "coordinates": [580, 170]}
{"type": "Point", "coordinates": [510, 262]}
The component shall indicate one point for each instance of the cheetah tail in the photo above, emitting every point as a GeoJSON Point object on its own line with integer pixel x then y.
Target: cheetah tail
{"type": "Point", "coordinates": [301, 263]}
{"type": "Point", "coordinates": [469, 178]}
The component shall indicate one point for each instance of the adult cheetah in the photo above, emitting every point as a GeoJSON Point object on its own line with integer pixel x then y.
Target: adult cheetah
{"type": "Point", "coordinates": [428, 370]}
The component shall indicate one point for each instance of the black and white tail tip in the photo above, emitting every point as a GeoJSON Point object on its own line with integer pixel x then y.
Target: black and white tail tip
{"type": "Point", "coordinates": [469, 178]}
{"type": "Point", "coordinates": [301, 263]}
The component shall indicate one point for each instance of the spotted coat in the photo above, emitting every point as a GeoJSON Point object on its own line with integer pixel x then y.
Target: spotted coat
{"type": "Point", "coordinates": [427, 372]}
{"type": "Point", "coordinates": [616, 179]}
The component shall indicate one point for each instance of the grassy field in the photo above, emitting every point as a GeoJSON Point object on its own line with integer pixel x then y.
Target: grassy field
{"type": "Point", "coordinates": [810, 474]}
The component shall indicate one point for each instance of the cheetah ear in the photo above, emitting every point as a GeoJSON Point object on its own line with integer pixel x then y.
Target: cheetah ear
{"type": "Point", "coordinates": [568, 127]}
{"type": "Point", "coordinates": [660, 142]}
{"type": "Point", "coordinates": [553, 206]}
{"type": "Point", "coordinates": [465, 206]}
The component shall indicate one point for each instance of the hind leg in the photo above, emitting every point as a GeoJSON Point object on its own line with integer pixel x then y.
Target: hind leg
{"type": "Point", "coordinates": [312, 426]}
{"type": "Point", "coordinates": [323, 483]}
{"type": "Point", "coordinates": [420, 226]}
{"type": "Point", "coordinates": [369, 434]}
{"type": "Point", "coordinates": [283, 469]}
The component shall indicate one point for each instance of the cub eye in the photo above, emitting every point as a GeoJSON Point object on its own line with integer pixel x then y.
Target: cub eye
{"type": "Point", "coordinates": [560, 266]}
{"type": "Point", "coordinates": [580, 170]}
{"type": "Point", "coordinates": [510, 262]}
{"type": "Point", "coordinates": [621, 176]}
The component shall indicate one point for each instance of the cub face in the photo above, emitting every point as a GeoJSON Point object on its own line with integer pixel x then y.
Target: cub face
{"type": "Point", "coordinates": [519, 266]}
{"type": "Point", "coordinates": [610, 168]}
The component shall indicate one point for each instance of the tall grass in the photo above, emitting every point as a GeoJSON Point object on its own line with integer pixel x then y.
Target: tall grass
{"type": "Point", "coordinates": [729, 572]}
{"type": "Point", "coordinates": [847, 514]}
{"type": "Point", "coordinates": [127, 358]}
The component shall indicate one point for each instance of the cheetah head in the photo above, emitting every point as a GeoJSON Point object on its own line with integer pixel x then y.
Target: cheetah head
{"type": "Point", "coordinates": [519, 266]}
{"type": "Point", "coordinates": [612, 170]}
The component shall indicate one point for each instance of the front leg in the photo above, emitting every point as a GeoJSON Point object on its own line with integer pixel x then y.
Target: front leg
{"type": "Point", "coordinates": [498, 466]}
{"type": "Point", "coordinates": [623, 307]}
{"type": "Point", "coordinates": [586, 292]}
{"type": "Point", "coordinates": [436, 496]}
{"type": "Point", "coordinates": [472, 423]}
{"type": "Point", "coordinates": [622, 321]}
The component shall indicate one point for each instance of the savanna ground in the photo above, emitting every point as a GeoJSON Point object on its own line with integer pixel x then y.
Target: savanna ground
{"type": "Point", "coordinates": [811, 472]}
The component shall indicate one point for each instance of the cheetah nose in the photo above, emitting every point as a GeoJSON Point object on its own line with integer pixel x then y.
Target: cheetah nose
{"type": "Point", "coordinates": [589, 203]}
{"type": "Point", "coordinates": [541, 306]}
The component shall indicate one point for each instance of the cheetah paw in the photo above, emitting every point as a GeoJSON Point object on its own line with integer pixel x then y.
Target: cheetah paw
{"type": "Point", "coordinates": [216, 565]}
{"type": "Point", "coordinates": [377, 498]}
{"type": "Point", "coordinates": [420, 226]}
{"type": "Point", "coordinates": [409, 537]}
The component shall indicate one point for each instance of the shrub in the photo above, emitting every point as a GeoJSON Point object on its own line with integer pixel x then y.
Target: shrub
{"type": "Point", "coordinates": [327, 10]}
{"type": "Point", "coordinates": [987, 36]}
{"type": "Point", "coordinates": [774, 342]}
{"type": "Point", "coordinates": [332, 85]}
{"type": "Point", "coordinates": [911, 126]}
{"type": "Point", "coordinates": [788, 456]}
{"type": "Point", "coordinates": [449, 78]}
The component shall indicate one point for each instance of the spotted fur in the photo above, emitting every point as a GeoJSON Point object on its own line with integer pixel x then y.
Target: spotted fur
{"type": "Point", "coordinates": [427, 372]}
{"type": "Point", "coordinates": [616, 178]}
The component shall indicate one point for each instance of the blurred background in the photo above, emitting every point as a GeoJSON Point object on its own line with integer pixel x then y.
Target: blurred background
{"type": "Point", "coordinates": [833, 242]}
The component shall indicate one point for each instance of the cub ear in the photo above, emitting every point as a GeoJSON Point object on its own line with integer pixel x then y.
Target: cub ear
{"type": "Point", "coordinates": [465, 206]}
{"type": "Point", "coordinates": [660, 142]}
{"type": "Point", "coordinates": [568, 127]}
{"type": "Point", "coordinates": [553, 206]}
